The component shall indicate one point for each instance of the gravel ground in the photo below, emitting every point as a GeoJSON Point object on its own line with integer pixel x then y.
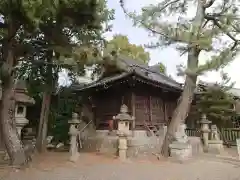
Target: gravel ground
{"type": "Point", "coordinates": [94, 167]}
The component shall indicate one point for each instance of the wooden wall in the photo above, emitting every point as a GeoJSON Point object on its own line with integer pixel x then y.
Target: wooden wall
{"type": "Point", "coordinates": [153, 109]}
{"type": "Point", "coordinates": [108, 104]}
{"type": "Point", "coordinates": [149, 106]}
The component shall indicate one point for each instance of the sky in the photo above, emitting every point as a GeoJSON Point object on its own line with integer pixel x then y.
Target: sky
{"type": "Point", "coordinates": [168, 56]}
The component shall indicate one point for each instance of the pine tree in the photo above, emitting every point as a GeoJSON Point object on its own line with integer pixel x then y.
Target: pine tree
{"type": "Point", "coordinates": [205, 32]}
{"type": "Point", "coordinates": [55, 23]}
{"type": "Point", "coordinates": [63, 40]}
{"type": "Point", "coordinates": [216, 102]}
{"type": "Point", "coordinates": [15, 16]}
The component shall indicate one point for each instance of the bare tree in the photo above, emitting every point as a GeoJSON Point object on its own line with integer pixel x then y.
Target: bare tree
{"type": "Point", "coordinates": [212, 30]}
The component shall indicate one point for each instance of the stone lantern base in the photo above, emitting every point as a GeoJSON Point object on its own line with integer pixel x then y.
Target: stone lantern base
{"type": "Point", "coordinates": [122, 147]}
{"type": "Point", "coordinates": [215, 146]}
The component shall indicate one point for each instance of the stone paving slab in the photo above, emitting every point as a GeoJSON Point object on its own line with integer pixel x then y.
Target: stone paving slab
{"type": "Point", "coordinates": [92, 167]}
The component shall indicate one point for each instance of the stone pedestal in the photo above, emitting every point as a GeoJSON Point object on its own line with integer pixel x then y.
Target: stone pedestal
{"type": "Point", "coordinates": [181, 149]}
{"type": "Point", "coordinates": [73, 144]}
{"type": "Point", "coordinates": [205, 131]}
{"type": "Point", "coordinates": [122, 147]}
{"type": "Point", "coordinates": [215, 146]}
{"type": "Point", "coordinates": [74, 132]}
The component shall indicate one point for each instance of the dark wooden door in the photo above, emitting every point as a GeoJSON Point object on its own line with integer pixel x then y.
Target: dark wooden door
{"type": "Point", "coordinates": [157, 110]}
{"type": "Point", "coordinates": [142, 110]}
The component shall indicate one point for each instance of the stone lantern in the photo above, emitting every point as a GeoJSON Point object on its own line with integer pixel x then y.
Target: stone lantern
{"type": "Point", "coordinates": [20, 117]}
{"type": "Point", "coordinates": [205, 130]}
{"type": "Point", "coordinates": [123, 119]}
{"type": "Point", "coordinates": [74, 132]}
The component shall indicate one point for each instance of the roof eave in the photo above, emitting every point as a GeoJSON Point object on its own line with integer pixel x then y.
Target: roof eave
{"type": "Point", "coordinates": [160, 83]}
{"type": "Point", "coordinates": [97, 84]}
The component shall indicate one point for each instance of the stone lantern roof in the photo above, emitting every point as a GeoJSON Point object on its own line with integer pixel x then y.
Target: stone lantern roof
{"type": "Point", "coordinates": [75, 119]}
{"type": "Point", "coordinates": [204, 119]}
{"type": "Point", "coordinates": [123, 115]}
{"type": "Point", "coordinates": [21, 94]}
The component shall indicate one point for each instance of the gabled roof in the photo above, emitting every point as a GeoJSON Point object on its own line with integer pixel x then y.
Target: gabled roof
{"type": "Point", "coordinates": [134, 67]}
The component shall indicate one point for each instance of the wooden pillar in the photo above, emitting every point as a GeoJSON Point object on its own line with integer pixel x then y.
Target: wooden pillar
{"type": "Point", "coordinates": [150, 108]}
{"type": "Point", "coordinates": [165, 108]}
{"type": "Point", "coordinates": [133, 103]}
{"type": "Point", "coordinates": [166, 117]}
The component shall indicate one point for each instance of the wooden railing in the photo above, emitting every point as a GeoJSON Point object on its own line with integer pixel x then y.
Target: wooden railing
{"type": "Point", "coordinates": [192, 132]}
{"type": "Point", "coordinates": [228, 135]}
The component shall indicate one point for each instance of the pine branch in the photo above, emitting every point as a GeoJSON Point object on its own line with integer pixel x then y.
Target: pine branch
{"type": "Point", "coordinates": [196, 38]}
{"type": "Point", "coordinates": [223, 9]}
{"type": "Point", "coordinates": [216, 22]}
{"type": "Point", "coordinates": [209, 4]}
{"type": "Point", "coordinates": [226, 56]}
{"type": "Point", "coordinates": [175, 34]}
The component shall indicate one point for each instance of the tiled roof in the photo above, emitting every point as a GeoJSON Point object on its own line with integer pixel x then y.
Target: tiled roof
{"type": "Point", "coordinates": [150, 72]}
{"type": "Point", "coordinates": [138, 68]}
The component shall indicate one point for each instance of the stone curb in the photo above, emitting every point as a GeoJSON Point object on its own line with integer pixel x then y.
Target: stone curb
{"type": "Point", "coordinates": [227, 159]}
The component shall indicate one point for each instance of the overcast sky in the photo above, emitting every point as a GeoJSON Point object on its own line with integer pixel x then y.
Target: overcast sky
{"type": "Point", "coordinates": [169, 56]}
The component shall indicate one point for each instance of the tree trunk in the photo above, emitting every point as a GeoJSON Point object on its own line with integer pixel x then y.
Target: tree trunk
{"type": "Point", "coordinates": [8, 129]}
{"type": "Point", "coordinates": [180, 113]}
{"type": "Point", "coordinates": [10, 136]}
{"type": "Point", "coordinates": [43, 124]}
{"type": "Point", "coordinates": [185, 101]}
{"type": "Point", "coordinates": [46, 102]}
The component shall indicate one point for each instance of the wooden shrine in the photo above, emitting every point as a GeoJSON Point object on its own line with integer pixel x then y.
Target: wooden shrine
{"type": "Point", "coordinates": [151, 96]}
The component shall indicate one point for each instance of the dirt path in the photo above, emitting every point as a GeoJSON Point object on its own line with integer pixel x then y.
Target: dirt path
{"type": "Point", "coordinates": [55, 166]}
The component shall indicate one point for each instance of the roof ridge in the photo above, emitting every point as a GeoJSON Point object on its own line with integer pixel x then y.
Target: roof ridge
{"type": "Point", "coordinates": [145, 67]}
{"type": "Point", "coordinates": [158, 73]}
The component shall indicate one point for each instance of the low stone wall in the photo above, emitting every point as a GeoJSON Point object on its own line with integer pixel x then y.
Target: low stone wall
{"type": "Point", "coordinates": [138, 144]}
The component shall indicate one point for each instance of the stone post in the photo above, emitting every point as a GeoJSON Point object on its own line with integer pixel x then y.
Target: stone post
{"type": "Point", "coordinates": [238, 147]}
{"type": "Point", "coordinates": [122, 146]}
{"type": "Point", "coordinates": [123, 132]}
{"type": "Point", "coordinates": [205, 131]}
{"type": "Point", "coordinates": [73, 132]}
